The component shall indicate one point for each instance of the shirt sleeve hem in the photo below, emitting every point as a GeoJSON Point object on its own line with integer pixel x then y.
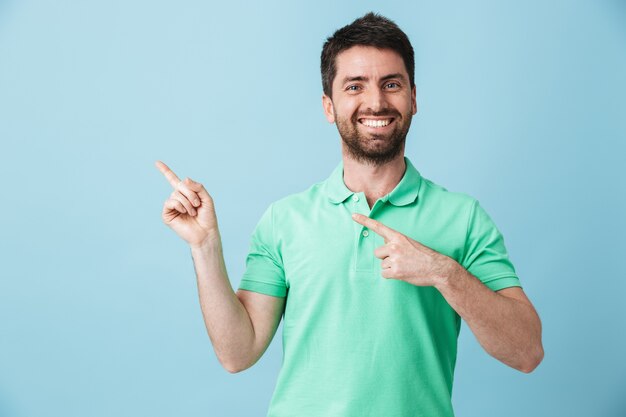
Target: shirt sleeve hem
{"type": "Point", "coordinates": [501, 282]}
{"type": "Point", "coordinates": [263, 288]}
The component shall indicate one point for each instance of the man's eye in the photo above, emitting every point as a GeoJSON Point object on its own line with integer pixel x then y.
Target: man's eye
{"type": "Point", "coordinates": [352, 88]}
{"type": "Point", "coordinates": [392, 85]}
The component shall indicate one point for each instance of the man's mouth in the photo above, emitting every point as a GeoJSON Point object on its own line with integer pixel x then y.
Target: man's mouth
{"type": "Point", "coordinates": [376, 122]}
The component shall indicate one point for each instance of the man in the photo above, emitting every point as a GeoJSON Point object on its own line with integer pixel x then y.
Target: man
{"type": "Point", "coordinates": [372, 269]}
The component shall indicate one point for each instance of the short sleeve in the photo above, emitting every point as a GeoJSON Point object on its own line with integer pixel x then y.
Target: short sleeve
{"type": "Point", "coordinates": [485, 255]}
{"type": "Point", "coordinates": [264, 268]}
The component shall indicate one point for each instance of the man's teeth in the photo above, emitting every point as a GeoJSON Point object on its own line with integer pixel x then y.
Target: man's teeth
{"type": "Point", "coordinates": [375, 123]}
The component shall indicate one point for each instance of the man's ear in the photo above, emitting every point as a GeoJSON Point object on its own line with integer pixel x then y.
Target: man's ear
{"type": "Point", "coordinates": [414, 104]}
{"type": "Point", "coordinates": [329, 110]}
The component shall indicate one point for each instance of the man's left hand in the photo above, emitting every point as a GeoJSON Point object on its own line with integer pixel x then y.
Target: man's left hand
{"type": "Point", "coordinates": [406, 259]}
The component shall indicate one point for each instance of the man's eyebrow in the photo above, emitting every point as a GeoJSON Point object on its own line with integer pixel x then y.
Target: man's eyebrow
{"type": "Point", "coordinates": [349, 78]}
{"type": "Point", "coordinates": [396, 75]}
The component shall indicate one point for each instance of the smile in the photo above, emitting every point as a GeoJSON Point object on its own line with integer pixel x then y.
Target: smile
{"type": "Point", "coordinates": [375, 122]}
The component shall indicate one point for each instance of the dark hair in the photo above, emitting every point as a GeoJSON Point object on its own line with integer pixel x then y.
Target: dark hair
{"type": "Point", "coordinates": [370, 30]}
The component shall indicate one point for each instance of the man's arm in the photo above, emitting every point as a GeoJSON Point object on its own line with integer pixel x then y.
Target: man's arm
{"type": "Point", "coordinates": [240, 325]}
{"type": "Point", "coordinates": [505, 323]}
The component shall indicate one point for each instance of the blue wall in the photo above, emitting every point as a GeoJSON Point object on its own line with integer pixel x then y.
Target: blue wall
{"type": "Point", "coordinates": [521, 105]}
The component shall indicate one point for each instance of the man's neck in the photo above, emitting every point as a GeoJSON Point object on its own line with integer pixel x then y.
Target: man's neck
{"type": "Point", "coordinates": [374, 181]}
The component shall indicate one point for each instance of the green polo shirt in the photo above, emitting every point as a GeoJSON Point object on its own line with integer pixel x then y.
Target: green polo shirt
{"type": "Point", "coordinates": [356, 344]}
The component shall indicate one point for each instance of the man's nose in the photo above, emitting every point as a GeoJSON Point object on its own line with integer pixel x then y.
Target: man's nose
{"type": "Point", "coordinates": [375, 100]}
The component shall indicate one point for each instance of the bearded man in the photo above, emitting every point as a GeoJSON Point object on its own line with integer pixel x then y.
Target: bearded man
{"type": "Point", "coordinates": [372, 269]}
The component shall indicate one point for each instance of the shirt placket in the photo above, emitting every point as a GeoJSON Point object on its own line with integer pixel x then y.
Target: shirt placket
{"type": "Point", "coordinates": [365, 239]}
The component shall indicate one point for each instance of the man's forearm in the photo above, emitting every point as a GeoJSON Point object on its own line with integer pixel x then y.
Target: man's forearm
{"type": "Point", "coordinates": [508, 329]}
{"type": "Point", "coordinates": [226, 319]}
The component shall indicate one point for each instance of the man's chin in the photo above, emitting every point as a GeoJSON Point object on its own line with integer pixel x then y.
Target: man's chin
{"type": "Point", "coordinates": [378, 144]}
{"type": "Point", "coordinates": [374, 155]}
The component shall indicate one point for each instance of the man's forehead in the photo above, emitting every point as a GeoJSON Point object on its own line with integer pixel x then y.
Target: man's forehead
{"type": "Point", "coordinates": [368, 61]}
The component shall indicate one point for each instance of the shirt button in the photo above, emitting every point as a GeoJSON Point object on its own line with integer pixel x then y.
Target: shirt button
{"type": "Point", "coordinates": [365, 233]}
{"type": "Point", "coordinates": [355, 198]}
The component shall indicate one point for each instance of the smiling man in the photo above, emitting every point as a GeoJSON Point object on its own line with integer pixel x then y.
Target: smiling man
{"type": "Point", "coordinates": [374, 132]}
{"type": "Point", "coordinates": [372, 269]}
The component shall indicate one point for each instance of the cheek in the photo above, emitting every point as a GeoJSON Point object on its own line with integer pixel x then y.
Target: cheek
{"type": "Point", "coordinates": [343, 115]}
{"type": "Point", "coordinates": [402, 103]}
{"type": "Point", "coordinates": [404, 106]}
{"type": "Point", "coordinates": [345, 109]}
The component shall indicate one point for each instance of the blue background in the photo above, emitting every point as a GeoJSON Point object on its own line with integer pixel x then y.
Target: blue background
{"type": "Point", "coordinates": [521, 106]}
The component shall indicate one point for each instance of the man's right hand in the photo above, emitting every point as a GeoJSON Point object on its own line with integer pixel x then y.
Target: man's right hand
{"type": "Point", "coordinates": [189, 210]}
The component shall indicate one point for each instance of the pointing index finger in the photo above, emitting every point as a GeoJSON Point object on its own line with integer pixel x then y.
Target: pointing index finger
{"type": "Point", "coordinates": [169, 174]}
{"type": "Point", "coordinates": [386, 232]}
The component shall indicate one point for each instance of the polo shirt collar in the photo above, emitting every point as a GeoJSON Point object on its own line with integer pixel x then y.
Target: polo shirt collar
{"type": "Point", "coordinates": [405, 192]}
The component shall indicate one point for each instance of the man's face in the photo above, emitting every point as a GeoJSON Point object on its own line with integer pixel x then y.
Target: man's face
{"type": "Point", "coordinates": [372, 103]}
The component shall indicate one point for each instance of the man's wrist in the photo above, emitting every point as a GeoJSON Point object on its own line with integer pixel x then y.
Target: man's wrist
{"type": "Point", "coordinates": [450, 273]}
{"type": "Point", "coordinates": [211, 243]}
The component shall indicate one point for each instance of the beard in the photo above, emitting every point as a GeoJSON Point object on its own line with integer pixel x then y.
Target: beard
{"type": "Point", "coordinates": [371, 148]}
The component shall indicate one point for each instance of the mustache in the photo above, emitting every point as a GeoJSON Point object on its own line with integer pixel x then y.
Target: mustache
{"type": "Point", "coordinates": [381, 113]}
